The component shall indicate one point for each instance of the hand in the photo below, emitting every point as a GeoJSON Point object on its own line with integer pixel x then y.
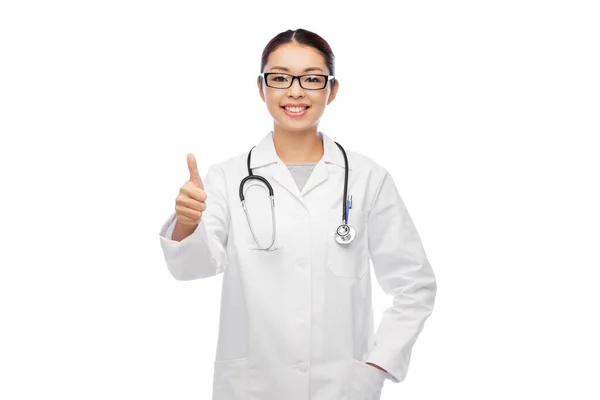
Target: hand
{"type": "Point", "coordinates": [191, 201]}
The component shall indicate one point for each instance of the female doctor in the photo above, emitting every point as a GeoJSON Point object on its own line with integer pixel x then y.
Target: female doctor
{"type": "Point", "coordinates": [294, 242]}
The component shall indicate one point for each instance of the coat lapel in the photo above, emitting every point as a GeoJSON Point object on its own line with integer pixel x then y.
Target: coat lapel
{"type": "Point", "coordinates": [283, 176]}
{"type": "Point", "coordinates": [318, 176]}
{"type": "Point", "coordinates": [332, 155]}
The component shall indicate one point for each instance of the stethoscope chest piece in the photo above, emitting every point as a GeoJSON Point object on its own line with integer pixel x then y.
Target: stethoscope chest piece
{"type": "Point", "coordinates": [345, 234]}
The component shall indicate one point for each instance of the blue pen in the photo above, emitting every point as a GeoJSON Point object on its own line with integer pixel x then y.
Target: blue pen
{"type": "Point", "coordinates": [348, 207]}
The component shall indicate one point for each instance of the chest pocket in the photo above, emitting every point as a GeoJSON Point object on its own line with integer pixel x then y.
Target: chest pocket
{"type": "Point", "coordinates": [349, 260]}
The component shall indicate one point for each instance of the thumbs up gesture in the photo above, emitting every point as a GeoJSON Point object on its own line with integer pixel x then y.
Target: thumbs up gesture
{"type": "Point", "coordinates": [190, 203]}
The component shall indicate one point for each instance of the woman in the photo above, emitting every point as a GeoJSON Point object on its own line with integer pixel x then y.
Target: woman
{"type": "Point", "coordinates": [296, 314]}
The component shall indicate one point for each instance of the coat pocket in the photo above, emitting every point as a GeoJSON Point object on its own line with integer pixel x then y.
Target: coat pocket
{"type": "Point", "coordinates": [349, 260]}
{"type": "Point", "coordinates": [367, 382]}
{"type": "Point", "coordinates": [230, 381]}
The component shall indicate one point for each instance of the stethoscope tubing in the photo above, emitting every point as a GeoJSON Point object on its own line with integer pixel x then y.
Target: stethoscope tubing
{"type": "Point", "coordinates": [266, 182]}
{"type": "Point", "coordinates": [272, 197]}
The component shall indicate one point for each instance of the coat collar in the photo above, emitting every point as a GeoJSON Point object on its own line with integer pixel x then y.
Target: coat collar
{"type": "Point", "coordinates": [264, 153]}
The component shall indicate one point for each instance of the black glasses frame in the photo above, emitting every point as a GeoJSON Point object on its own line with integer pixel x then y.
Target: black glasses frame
{"type": "Point", "coordinates": [266, 74]}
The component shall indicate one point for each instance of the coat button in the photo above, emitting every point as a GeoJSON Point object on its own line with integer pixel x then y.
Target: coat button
{"type": "Point", "coordinates": [301, 262]}
{"type": "Point", "coordinates": [302, 366]}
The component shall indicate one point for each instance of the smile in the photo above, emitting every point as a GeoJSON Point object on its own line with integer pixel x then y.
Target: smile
{"type": "Point", "coordinates": [295, 111]}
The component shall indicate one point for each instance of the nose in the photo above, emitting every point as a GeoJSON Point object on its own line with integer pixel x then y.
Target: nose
{"type": "Point", "coordinates": [295, 90]}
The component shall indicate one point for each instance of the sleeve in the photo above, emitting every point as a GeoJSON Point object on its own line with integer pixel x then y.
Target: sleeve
{"type": "Point", "coordinates": [403, 271]}
{"type": "Point", "coordinates": [169, 233]}
{"type": "Point", "coordinates": [203, 253]}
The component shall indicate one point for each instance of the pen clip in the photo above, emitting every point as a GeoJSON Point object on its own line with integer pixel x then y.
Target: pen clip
{"type": "Point", "coordinates": [348, 207]}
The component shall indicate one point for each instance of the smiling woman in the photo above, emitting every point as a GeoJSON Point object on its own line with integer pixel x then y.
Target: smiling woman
{"type": "Point", "coordinates": [296, 314]}
{"type": "Point", "coordinates": [297, 82]}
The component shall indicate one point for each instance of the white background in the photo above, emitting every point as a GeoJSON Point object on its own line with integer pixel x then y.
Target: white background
{"type": "Point", "coordinates": [485, 113]}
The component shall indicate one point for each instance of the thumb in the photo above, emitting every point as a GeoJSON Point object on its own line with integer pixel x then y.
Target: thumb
{"type": "Point", "coordinates": [193, 167]}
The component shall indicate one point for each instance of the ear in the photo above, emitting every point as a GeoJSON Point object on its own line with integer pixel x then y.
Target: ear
{"type": "Point", "coordinates": [333, 93]}
{"type": "Point", "coordinates": [260, 88]}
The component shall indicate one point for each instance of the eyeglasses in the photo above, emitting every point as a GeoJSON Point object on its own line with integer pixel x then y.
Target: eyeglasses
{"type": "Point", "coordinates": [278, 80]}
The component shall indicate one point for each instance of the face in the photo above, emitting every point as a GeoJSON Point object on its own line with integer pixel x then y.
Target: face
{"type": "Point", "coordinates": [295, 59]}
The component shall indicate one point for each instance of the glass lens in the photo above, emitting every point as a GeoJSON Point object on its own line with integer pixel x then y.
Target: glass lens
{"type": "Point", "coordinates": [313, 81]}
{"type": "Point", "coordinates": [307, 81]}
{"type": "Point", "coordinates": [279, 80]}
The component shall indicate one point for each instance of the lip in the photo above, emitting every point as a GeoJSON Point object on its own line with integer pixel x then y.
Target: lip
{"type": "Point", "coordinates": [291, 114]}
{"type": "Point", "coordinates": [295, 105]}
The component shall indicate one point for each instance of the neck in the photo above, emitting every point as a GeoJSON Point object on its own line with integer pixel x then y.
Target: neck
{"type": "Point", "coordinates": [302, 146]}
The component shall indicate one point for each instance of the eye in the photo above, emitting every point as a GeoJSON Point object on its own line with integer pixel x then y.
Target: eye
{"type": "Point", "coordinates": [313, 79]}
{"type": "Point", "coordinates": [278, 78]}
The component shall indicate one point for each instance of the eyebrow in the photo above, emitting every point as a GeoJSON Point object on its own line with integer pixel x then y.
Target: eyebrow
{"type": "Point", "coordinates": [306, 70]}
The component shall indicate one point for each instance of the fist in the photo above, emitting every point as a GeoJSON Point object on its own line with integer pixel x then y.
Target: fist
{"type": "Point", "coordinates": [190, 203]}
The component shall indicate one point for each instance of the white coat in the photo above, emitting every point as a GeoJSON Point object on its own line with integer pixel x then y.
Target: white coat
{"type": "Point", "coordinates": [296, 323]}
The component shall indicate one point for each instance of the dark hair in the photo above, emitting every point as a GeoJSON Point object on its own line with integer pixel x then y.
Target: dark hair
{"type": "Point", "coordinates": [304, 37]}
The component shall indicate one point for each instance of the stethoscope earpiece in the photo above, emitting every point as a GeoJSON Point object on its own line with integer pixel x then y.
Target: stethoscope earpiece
{"type": "Point", "coordinates": [345, 234]}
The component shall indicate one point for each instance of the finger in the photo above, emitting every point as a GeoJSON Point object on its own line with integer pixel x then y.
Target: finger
{"type": "Point", "coordinates": [193, 167]}
{"type": "Point", "coordinates": [187, 214]}
{"type": "Point", "coordinates": [193, 192]}
{"type": "Point", "coordinates": [188, 202]}
{"type": "Point", "coordinates": [182, 219]}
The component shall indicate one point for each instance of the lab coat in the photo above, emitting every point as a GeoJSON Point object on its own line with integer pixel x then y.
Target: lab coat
{"type": "Point", "coordinates": [296, 322]}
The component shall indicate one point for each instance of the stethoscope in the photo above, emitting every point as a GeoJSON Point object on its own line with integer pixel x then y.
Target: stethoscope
{"type": "Point", "coordinates": [344, 233]}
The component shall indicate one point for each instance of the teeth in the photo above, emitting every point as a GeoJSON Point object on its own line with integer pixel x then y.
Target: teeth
{"type": "Point", "coordinates": [295, 109]}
